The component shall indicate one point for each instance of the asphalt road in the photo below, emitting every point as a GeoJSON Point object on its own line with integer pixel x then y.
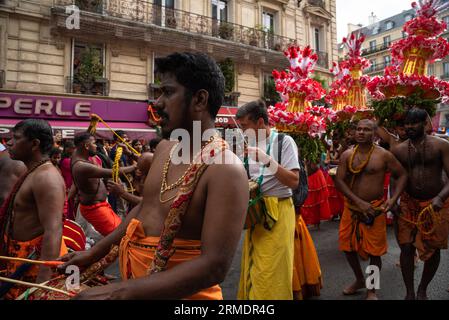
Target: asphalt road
{"type": "Point", "coordinates": [337, 275]}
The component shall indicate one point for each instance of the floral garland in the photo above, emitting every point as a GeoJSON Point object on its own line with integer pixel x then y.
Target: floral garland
{"type": "Point", "coordinates": [437, 48]}
{"type": "Point", "coordinates": [390, 86]}
{"type": "Point", "coordinates": [430, 26]}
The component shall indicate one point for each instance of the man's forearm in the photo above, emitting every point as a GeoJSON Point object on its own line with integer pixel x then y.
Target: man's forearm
{"type": "Point", "coordinates": [50, 251]}
{"type": "Point", "coordinates": [286, 177]}
{"type": "Point", "coordinates": [177, 283]}
{"type": "Point", "coordinates": [134, 200]}
{"type": "Point", "coordinates": [126, 170]}
{"type": "Point", "coordinates": [398, 186]}
{"type": "Point", "coordinates": [103, 247]}
{"type": "Point", "coordinates": [444, 194]}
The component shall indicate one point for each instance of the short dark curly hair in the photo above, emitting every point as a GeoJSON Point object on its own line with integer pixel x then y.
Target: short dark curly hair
{"type": "Point", "coordinates": [196, 71]}
{"type": "Point", "coordinates": [37, 129]}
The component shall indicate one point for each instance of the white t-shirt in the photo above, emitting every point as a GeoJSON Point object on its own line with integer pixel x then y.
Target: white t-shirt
{"type": "Point", "coordinates": [271, 186]}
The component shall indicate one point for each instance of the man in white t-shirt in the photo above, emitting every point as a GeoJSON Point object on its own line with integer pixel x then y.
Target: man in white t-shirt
{"type": "Point", "coordinates": [267, 256]}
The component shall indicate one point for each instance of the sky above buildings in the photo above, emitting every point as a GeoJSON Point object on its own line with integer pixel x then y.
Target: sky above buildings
{"type": "Point", "coordinates": [358, 11]}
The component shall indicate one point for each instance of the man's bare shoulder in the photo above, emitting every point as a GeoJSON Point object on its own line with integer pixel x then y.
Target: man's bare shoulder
{"type": "Point", "coordinates": [227, 165]}
{"type": "Point", "coordinates": [163, 148]}
{"type": "Point", "coordinates": [400, 147]}
{"type": "Point", "coordinates": [13, 167]}
{"type": "Point", "coordinates": [347, 153]}
{"type": "Point", "coordinates": [46, 176]}
{"type": "Point", "coordinates": [442, 143]}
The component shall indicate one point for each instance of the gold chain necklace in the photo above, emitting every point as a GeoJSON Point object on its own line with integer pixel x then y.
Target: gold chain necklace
{"type": "Point", "coordinates": [164, 186]}
{"type": "Point", "coordinates": [363, 164]}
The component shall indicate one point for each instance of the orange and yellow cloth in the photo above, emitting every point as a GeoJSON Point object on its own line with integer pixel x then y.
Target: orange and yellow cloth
{"type": "Point", "coordinates": [355, 236]}
{"type": "Point", "coordinates": [18, 249]}
{"type": "Point", "coordinates": [101, 217]}
{"type": "Point", "coordinates": [409, 233]}
{"type": "Point", "coordinates": [137, 252]}
{"type": "Point", "coordinates": [307, 279]}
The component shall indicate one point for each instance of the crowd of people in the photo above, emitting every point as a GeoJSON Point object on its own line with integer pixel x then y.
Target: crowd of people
{"type": "Point", "coordinates": [167, 220]}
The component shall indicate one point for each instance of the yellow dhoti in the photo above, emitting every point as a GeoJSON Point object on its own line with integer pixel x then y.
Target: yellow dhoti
{"type": "Point", "coordinates": [267, 256]}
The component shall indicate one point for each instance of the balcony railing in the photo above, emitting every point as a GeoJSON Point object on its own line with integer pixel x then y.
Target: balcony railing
{"type": "Point", "coordinates": [148, 13]}
{"type": "Point", "coordinates": [445, 76]}
{"type": "Point", "coordinates": [100, 87]}
{"type": "Point", "coordinates": [378, 67]}
{"type": "Point", "coordinates": [374, 49]}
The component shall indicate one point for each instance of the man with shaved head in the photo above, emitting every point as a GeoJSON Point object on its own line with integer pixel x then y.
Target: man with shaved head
{"type": "Point", "coordinates": [360, 177]}
{"type": "Point", "coordinates": [143, 167]}
{"type": "Point", "coordinates": [424, 220]}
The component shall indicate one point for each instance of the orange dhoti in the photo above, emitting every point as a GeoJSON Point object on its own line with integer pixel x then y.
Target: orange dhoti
{"type": "Point", "coordinates": [355, 236]}
{"type": "Point", "coordinates": [307, 280]}
{"type": "Point", "coordinates": [425, 242]}
{"type": "Point", "coordinates": [28, 249]}
{"type": "Point", "coordinates": [137, 252]}
{"type": "Point", "coordinates": [316, 207]}
{"type": "Point", "coordinates": [101, 217]}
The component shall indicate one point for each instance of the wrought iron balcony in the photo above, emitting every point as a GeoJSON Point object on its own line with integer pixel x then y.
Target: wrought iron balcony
{"type": "Point", "coordinates": [377, 67]}
{"type": "Point", "coordinates": [375, 49]}
{"type": "Point", "coordinates": [151, 14]}
{"type": "Point", "coordinates": [99, 87]}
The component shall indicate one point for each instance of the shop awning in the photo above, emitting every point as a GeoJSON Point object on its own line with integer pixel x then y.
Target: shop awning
{"type": "Point", "coordinates": [134, 130]}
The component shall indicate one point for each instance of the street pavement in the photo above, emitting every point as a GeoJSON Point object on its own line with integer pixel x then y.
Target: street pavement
{"type": "Point", "coordinates": [337, 274]}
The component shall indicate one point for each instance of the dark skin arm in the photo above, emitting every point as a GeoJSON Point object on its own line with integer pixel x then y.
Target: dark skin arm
{"type": "Point", "coordinates": [118, 190]}
{"type": "Point", "coordinates": [50, 205]}
{"type": "Point", "coordinates": [400, 178]}
{"type": "Point", "coordinates": [438, 202]}
{"type": "Point", "coordinates": [102, 248]}
{"type": "Point", "coordinates": [341, 185]}
{"type": "Point", "coordinates": [92, 171]}
{"type": "Point", "coordinates": [220, 222]}
{"type": "Point", "coordinates": [386, 136]}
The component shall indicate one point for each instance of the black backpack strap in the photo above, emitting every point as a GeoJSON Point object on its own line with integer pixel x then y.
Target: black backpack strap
{"type": "Point", "coordinates": [281, 137]}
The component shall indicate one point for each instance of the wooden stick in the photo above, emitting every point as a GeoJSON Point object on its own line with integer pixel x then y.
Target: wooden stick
{"type": "Point", "coordinates": [45, 263]}
{"type": "Point", "coordinates": [35, 285]}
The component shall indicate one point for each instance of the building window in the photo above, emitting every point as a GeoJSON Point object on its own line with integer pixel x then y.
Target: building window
{"type": "Point", "coordinates": [270, 95]}
{"type": "Point", "coordinates": [164, 13]}
{"type": "Point", "coordinates": [88, 69]}
{"type": "Point", "coordinates": [389, 25]}
{"type": "Point", "coordinates": [376, 29]}
{"type": "Point", "coordinates": [387, 41]}
{"type": "Point", "coordinates": [446, 69]}
{"type": "Point", "coordinates": [220, 10]}
{"type": "Point", "coordinates": [373, 65]}
{"type": "Point", "coordinates": [372, 45]}
{"type": "Point", "coordinates": [387, 61]}
{"type": "Point", "coordinates": [268, 21]}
